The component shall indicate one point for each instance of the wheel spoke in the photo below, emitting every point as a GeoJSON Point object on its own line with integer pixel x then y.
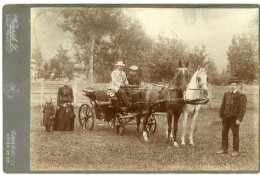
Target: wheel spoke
{"type": "Point", "coordinates": [84, 124]}
{"type": "Point", "coordinates": [86, 117]}
{"type": "Point", "coordinates": [88, 110]}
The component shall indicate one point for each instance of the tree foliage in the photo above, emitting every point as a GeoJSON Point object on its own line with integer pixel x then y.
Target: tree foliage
{"type": "Point", "coordinates": [102, 36]}
{"type": "Point", "coordinates": [37, 64]}
{"type": "Point", "coordinates": [243, 57]}
{"type": "Point", "coordinates": [162, 59]}
{"type": "Point", "coordinates": [199, 57]}
{"type": "Point", "coordinates": [60, 66]}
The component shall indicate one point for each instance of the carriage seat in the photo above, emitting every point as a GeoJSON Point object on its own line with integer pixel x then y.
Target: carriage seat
{"type": "Point", "coordinates": [89, 93]}
{"type": "Point", "coordinates": [99, 95]}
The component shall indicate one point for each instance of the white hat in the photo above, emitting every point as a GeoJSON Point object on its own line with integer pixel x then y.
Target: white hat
{"type": "Point", "coordinates": [134, 67]}
{"type": "Point", "coordinates": [120, 63]}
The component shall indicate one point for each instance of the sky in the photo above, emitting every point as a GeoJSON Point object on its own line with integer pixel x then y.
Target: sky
{"type": "Point", "coordinates": [212, 27]}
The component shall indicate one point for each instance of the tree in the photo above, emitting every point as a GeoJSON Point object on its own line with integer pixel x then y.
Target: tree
{"type": "Point", "coordinates": [222, 78]}
{"type": "Point", "coordinates": [243, 57]}
{"type": "Point", "coordinates": [127, 43]}
{"type": "Point", "coordinates": [213, 74]}
{"type": "Point", "coordinates": [37, 64]}
{"type": "Point", "coordinates": [104, 36]}
{"type": "Point", "coordinates": [162, 60]}
{"type": "Point", "coordinates": [46, 70]}
{"type": "Point", "coordinates": [200, 57]}
{"type": "Point", "coordinates": [61, 65]}
{"type": "Point", "coordinates": [88, 26]}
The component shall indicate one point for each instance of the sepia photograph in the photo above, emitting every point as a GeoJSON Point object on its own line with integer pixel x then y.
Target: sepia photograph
{"type": "Point", "coordinates": [144, 89]}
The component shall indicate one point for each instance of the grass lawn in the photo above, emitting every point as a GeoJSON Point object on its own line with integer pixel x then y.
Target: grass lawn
{"type": "Point", "coordinates": [104, 150]}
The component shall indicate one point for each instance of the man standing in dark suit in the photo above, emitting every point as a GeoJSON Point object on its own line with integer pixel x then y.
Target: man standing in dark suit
{"type": "Point", "coordinates": [232, 111]}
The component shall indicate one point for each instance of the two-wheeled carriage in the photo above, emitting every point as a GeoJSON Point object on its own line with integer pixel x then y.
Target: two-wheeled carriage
{"type": "Point", "coordinates": [104, 105]}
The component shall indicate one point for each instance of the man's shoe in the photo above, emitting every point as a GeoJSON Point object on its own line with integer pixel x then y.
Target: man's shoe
{"type": "Point", "coordinates": [234, 153]}
{"type": "Point", "coordinates": [222, 151]}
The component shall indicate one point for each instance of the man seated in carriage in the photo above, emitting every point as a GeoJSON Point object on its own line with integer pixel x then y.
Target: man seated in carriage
{"type": "Point", "coordinates": [133, 78]}
{"type": "Point", "coordinates": [119, 80]}
{"type": "Point", "coordinates": [134, 82]}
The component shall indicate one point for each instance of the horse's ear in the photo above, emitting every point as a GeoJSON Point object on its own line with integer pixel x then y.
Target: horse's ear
{"type": "Point", "coordinates": [206, 68]}
{"type": "Point", "coordinates": [198, 68]}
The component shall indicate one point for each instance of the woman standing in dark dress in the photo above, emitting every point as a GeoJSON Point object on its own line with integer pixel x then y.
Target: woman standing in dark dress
{"type": "Point", "coordinates": [64, 118]}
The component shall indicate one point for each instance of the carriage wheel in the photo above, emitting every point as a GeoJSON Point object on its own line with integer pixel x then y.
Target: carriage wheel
{"type": "Point", "coordinates": [119, 124]}
{"type": "Point", "coordinates": [86, 117]}
{"type": "Point", "coordinates": [151, 125]}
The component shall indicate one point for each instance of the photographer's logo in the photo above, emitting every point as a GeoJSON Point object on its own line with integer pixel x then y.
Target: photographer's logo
{"type": "Point", "coordinates": [11, 35]}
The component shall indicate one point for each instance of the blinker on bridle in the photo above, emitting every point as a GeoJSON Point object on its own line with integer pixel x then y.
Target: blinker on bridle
{"type": "Point", "coordinates": [198, 79]}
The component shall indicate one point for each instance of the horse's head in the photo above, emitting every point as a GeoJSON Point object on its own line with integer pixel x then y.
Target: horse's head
{"type": "Point", "coordinates": [202, 79]}
{"type": "Point", "coordinates": [182, 75]}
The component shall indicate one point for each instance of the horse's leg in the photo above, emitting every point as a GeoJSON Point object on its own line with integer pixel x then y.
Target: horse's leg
{"type": "Point", "coordinates": [138, 118]}
{"type": "Point", "coordinates": [169, 126]}
{"type": "Point", "coordinates": [184, 126]}
{"type": "Point", "coordinates": [145, 121]}
{"type": "Point", "coordinates": [176, 120]}
{"type": "Point", "coordinates": [192, 126]}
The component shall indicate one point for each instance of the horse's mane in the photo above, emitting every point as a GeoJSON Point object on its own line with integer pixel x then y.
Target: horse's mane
{"type": "Point", "coordinates": [201, 70]}
{"type": "Point", "coordinates": [194, 75]}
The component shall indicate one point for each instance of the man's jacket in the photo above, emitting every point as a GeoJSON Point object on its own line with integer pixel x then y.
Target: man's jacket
{"type": "Point", "coordinates": [233, 105]}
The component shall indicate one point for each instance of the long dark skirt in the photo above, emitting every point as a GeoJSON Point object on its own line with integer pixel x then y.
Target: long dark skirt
{"type": "Point", "coordinates": [64, 119]}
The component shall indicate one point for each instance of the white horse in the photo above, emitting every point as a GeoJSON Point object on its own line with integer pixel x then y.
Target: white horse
{"type": "Point", "coordinates": [198, 84]}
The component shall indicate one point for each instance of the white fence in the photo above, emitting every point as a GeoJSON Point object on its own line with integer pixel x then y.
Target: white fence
{"type": "Point", "coordinates": [40, 90]}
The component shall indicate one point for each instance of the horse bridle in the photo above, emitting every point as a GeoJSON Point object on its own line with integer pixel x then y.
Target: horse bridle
{"type": "Point", "coordinates": [198, 89]}
{"type": "Point", "coordinates": [178, 87]}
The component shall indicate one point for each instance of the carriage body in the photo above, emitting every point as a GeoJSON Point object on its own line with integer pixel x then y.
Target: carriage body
{"type": "Point", "coordinates": [103, 106]}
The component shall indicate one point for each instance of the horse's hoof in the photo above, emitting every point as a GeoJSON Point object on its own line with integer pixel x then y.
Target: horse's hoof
{"type": "Point", "coordinates": [175, 144]}
{"type": "Point", "coordinates": [183, 144]}
{"type": "Point", "coordinates": [167, 140]}
{"type": "Point", "coordinates": [146, 140]}
{"type": "Point", "coordinates": [192, 144]}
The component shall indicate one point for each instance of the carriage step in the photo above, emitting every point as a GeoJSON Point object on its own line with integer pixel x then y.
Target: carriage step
{"type": "Point", "coordinates": [129, 115]}
{"type": "Point", "coordinates": [101, 103]}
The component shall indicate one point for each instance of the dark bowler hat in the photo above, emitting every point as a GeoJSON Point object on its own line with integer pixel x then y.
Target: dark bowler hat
{"type": "Point", "coordinates": [233, 80]}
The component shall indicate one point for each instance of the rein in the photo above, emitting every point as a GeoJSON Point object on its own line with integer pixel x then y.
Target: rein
{"type": "Point", "coordinates": [198, 89]}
